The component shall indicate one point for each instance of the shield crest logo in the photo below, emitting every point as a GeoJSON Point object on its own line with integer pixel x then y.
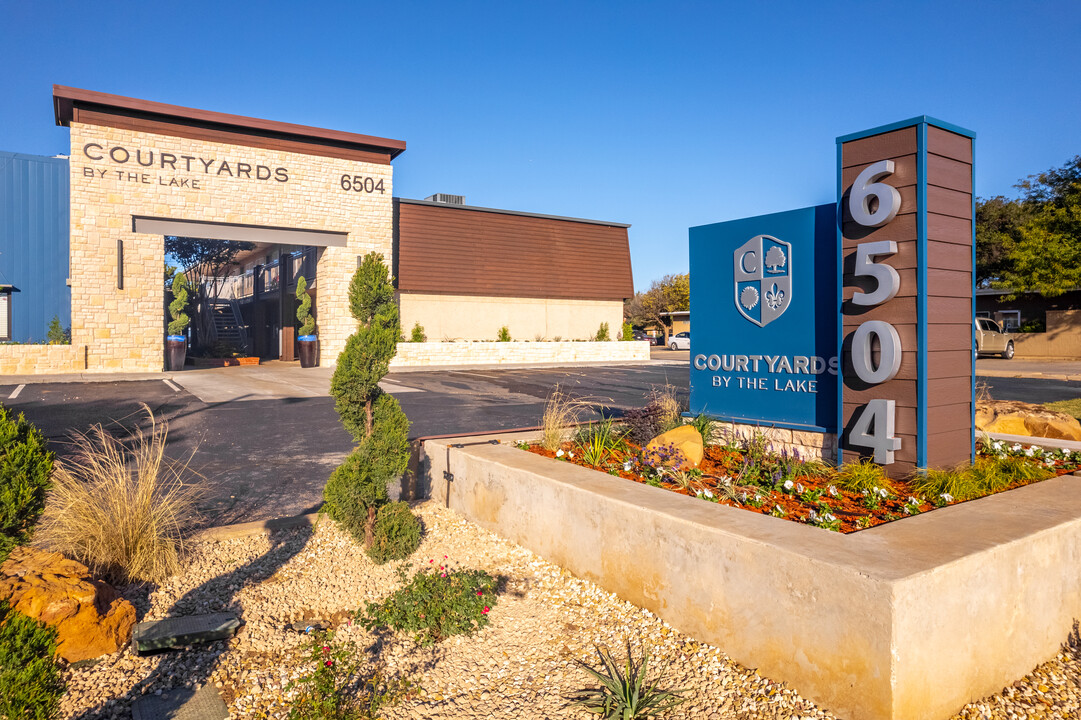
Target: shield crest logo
{"type": "Point", "coordinates": [763, 279]}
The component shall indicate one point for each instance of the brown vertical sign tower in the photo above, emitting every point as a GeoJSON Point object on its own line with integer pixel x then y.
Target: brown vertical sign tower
{"type": "Point", "coordinates": [906, 242]}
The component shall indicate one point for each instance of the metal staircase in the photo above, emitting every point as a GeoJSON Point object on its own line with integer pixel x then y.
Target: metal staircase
{"type": "Point", "coordinates": [228, 323]}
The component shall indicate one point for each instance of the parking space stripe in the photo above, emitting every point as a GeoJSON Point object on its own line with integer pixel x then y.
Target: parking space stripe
{"type": "Point", "coordinates": [176, 388]}
{"type": "Point", "coordinates": [15, 393]}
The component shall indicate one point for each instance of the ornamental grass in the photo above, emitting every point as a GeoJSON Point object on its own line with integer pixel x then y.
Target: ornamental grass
{"type": "Point", "coordinates": [121, 509]}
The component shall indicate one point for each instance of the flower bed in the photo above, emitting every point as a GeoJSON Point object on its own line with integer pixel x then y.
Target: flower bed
{"type": "Point", "coordinates": [749, 475]}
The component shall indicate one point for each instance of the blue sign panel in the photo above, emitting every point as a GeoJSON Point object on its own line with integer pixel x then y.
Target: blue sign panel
{"type": "Point", "coordinates": [764, 303]}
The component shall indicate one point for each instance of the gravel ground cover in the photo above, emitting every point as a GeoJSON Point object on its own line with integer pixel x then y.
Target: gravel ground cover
{"type": "Point", "coordinates": [520, 666]}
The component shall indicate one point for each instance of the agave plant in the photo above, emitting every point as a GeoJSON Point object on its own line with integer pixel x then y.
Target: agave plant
{"type": "Point", "coordinates": [625, 693]}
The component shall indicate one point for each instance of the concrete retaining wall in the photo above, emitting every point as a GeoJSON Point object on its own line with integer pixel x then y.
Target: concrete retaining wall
{"type": "Point", "coordinates": [435, 354]}
{"type": "Point", "coordinates": [907, 620]}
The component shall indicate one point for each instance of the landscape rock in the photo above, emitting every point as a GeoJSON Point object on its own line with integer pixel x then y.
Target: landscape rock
{"type": "Point", "coordinates": [684, 438]}
{"type": "Point", "coordinates": [1009, 417]}
{"type": "Point", "coordinates": [91, 620]}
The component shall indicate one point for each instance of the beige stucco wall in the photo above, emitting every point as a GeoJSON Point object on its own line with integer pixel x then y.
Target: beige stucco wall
{"type": "Point", "coordinates": [123, 328]}
{"type": "Point", "coordinates": [435, 354]}
{"type": "Point", "coordinates": [1062, 339]}
{"type": "Point", "coordinates": [464, 317]}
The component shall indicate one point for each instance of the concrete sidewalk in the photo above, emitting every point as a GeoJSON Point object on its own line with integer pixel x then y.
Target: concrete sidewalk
{"type": "Point", "coordinates": [1050, 369]}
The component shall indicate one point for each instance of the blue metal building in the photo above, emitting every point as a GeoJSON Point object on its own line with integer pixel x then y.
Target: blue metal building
{"type": "Point", "coordinates": [34, 210]}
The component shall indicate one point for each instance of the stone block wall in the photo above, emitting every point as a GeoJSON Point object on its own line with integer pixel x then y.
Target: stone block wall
{"type": "Point", "coordinates": [40, 359]}
{"type": "Point", "coordinates": [168, 177]}
{"type": "Point", "coordinates": [810, 445]}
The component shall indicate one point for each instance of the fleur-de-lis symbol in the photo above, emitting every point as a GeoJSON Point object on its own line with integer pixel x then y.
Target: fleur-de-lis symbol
{"type": "Point", "coordinates": [774, 296]}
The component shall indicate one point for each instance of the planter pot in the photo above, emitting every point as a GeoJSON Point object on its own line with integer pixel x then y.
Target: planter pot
{"type": "Point", "coordinates": [176, 349]}
{"type": "Point", "coordinates": [308, 350]}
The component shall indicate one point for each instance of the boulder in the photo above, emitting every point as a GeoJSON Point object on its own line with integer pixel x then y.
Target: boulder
{"type": "Point", "coordinates": [684, 438]}
{"type": "Point", "coordinates": [91, 620]}
{"type": "Point", "coordinates": [1019, 418]}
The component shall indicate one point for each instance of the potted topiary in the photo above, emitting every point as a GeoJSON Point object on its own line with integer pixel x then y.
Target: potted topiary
{"type": "Point", "coordinates": [307, 343]}
{"type": "Point", "coordinates": [176, 342]}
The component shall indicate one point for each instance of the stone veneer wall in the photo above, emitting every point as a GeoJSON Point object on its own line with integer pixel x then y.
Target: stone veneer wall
{"type": "Point", "coordinates": [123, 328]}
{"type": "Point", "coordinates": [497, 353]}
{"type": "Point", "coordinates": [810, 445]}
{"type": "Point", "coordinates": [37, 359]}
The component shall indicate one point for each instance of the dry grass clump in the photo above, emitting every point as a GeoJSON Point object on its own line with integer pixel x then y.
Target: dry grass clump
{"type": "Point", "coordinates": [561, 412]}
{"type": "Point", "coordinates": [120, 509]}
{"type": "Point", "coordinates": [670, 408]}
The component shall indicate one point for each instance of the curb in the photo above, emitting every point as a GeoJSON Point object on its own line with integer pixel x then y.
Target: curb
{"type": "Point", "coordinates": [241, 530]}
{"type": "Point", "coordinates": [1032, 375]}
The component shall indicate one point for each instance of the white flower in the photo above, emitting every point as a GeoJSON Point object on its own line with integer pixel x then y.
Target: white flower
{"type": "Point", "coordinates": [570, 455]}
{"type": "Point", "coordinates": [914, 501]}
{"type": "Point", "coordinates": [947, 497]}
{"type": "Point", "coordinates": [812, 516]}
{"type": "Point", "coordinates": [997, 445]}
{"type": "Point", "coordinates": [560, 453]}
{"type": "Point", "coordinates": [788, 484]}
{"type": "Point", "coordinates": [826, 517]}
{"type": "Point", "coordinates": [1030, 452]}
{"type": "Point", "coordinates": [626, 466]}
{"type": "Point", "coordinates": [799, 488]}
{"type": "Point", "coordinates": [881, 492]}
{"type": "Point", "coordinates": [833, 491]}
{"type": "Point", "coordinates": [1015, 446]}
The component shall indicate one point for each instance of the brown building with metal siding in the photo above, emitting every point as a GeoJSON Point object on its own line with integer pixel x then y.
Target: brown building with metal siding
{"type": "Point", "coordinates": [464, 272]}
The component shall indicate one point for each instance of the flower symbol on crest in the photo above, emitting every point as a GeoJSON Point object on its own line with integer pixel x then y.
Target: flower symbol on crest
{"type": "Point", "coordinates": [749, 297]}
{"type": "Point", "coordinates": [774, 297]}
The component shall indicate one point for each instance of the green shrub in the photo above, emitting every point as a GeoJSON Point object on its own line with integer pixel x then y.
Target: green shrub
{"type": "Point", "coordinates": [180, 320]}
{"type": "Point", "coordinates": [627, 333]}
{"type": "Point", "coordinates": [706, 427]}
{"type": "Point", "coordinates": [436, 603]}
{"type": "Point", "coordinates": [504, 334]}
{"type": "Point", "coordinates": [396, 534]}
{"type": "Point", "coordinates": [860, 476]}
{"type": "Point", "coordinates": [358, 488]}
{"type": "Point", "coordinates": [57, 335]}
{"type": "Point", "coordinates": [628, 693]}
{"type": "Point", "coordinates": [602, 333]}
{"type": "Point", "coordinates": [418, 334]}
{"type": "Point", "coordinates": [25, 467]}
{"type": "Point", "coordinates": [598, 440]}
{"type": "Point", "coordinates": [339, 687]}
{"type": "Point", "coordinates": [30, 681]}
{"type": "Point", "coordinates": [304, 310]}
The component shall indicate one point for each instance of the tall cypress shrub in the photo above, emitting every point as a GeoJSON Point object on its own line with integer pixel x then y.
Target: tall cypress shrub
{"type": "Point", "coordinates": [357, 490]}
{"type": "Point", "coordinates": [180, 320]}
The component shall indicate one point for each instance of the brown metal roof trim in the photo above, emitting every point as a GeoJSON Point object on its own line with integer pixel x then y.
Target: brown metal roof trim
{"type": "Point", "coordinates": [66, 100]}
{"type": "Point", "coordinates": [455, 250]}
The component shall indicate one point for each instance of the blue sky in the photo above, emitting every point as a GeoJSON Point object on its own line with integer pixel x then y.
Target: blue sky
{"type": "Point", "coordinates": [662, 115]}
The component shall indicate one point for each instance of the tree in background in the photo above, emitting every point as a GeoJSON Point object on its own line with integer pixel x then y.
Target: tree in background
{"type": "Point", "coordinates": [356, 494]}
{"type": "Point", "coordinates": [1033, 244]}
{"type": "Point", "coordinates": [672, 293]}
{"type": "Point", "coordinates": [204, 263]}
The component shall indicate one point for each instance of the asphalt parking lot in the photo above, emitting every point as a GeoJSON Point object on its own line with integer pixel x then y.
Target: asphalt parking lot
{"type": "Point", "coordinates": [265, 439]}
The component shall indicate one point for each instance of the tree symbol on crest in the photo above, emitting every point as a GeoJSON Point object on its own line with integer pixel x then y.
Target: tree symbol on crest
{"type": "Point", "coordinates": [749, 297]}
{"type": "Point", "coordinates": [775, 259]}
